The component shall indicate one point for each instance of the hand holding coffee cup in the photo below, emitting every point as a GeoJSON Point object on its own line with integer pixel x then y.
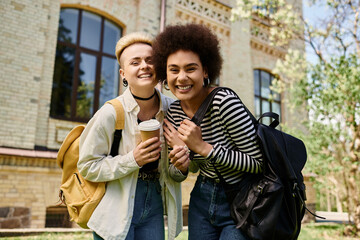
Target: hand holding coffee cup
{"type": "Point", "coordinates": [149, 129]}
{"type": "Point", "coordinates": [150, 154]}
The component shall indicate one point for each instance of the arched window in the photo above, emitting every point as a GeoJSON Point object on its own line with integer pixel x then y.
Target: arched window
{"type": "Point", "coordinates": [86, 72]}
{"type": "Point", "coordinates": [265, 99]}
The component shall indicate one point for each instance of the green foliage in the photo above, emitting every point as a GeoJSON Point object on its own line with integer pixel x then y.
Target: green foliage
{"type": "Point", "coordinates": [329, 88]}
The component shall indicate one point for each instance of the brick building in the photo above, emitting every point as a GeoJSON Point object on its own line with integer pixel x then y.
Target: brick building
{"type": "Point", "coordinates": [41, 38]}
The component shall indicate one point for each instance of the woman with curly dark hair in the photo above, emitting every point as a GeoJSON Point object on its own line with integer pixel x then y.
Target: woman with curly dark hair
{"type": "Point", "coordinates": [187, 58]}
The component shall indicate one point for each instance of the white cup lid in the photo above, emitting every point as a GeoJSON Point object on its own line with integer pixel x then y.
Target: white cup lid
{"type": "Point", "coordinates": [149, 125]}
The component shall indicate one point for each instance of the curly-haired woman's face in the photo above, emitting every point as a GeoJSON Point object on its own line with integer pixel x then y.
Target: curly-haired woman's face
{"type": "Point", "coordinates": [185, 75]}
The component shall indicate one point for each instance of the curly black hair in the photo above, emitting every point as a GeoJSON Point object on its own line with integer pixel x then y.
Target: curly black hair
{"type": "Point", "coordinates": [193, 37]}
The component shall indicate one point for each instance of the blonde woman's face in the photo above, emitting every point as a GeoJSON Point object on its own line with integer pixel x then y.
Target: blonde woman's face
{"type": "Point", "coordinates": [136, 66]}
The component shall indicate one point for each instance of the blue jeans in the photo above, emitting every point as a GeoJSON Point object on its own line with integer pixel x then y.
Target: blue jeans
{"type": "Point", "coordinates": [209, 213]}
{"type": "Point", "coordinates": [148, 220]}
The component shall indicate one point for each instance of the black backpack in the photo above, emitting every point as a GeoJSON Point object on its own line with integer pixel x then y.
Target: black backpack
{"type": "Point", "coordinates": [269, 205]}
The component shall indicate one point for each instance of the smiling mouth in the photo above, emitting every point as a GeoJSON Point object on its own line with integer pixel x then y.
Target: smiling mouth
{"type": "Point", "coordinates": [145, 75]}
{"type": "Point", "coordinates": [184, 87]}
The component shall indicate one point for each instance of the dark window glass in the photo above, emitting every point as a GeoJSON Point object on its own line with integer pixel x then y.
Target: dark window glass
{"type": "Point", "coordinates": [111, 36]}
{"type": "Point", "coordinates": [265, 84]}
{"type": "Point", "coordinates": [68, 25]}
{"type": "Point", "coordinates": [90, 31]}
{"type": "Point", "coordinates": [86, 86]}
{"type": "Point", "coordinates": [265, 99]}
{"type": "Point", "coordinates": [62, 82]}
{"type": "Point", "coordinates": [108, 81]}
{"type": "Point", "coordinates": [57, 217]}
{"type": "Point", "coordinates": [256, 83]}
{"type": "Point", "coordinates": [86, 73]}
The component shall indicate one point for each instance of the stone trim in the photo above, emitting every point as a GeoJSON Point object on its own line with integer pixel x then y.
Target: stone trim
{"type": "Point", "coordinates": [213, 11]}
{"type": "Point", "coordinates": [27, 153]}
{"type": "Point", "coordinates": [27, 162]}
{"type": "Point", "coordinates": [260, 40]}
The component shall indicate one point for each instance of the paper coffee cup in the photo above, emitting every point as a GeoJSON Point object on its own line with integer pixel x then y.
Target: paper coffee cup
{"type": "Point", "coordinates": [149, 129]}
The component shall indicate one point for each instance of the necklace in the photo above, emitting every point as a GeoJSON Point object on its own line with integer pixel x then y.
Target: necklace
{"type": "Point", "coordinates": [144, 99]}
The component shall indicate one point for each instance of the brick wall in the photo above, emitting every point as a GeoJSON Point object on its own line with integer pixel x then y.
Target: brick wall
{"type": "Point", "coordinates": [24, 27]}
{"type": "Point", "coordinates": [29, 182]}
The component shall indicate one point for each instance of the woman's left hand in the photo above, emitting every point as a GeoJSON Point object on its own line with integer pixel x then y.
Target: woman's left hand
{"type": "Point", "coordinates": [179, 157]}
{"type": "Point", "coordinates": [171, 135]}
{"type": "Point", "coordinates": [191, 135]}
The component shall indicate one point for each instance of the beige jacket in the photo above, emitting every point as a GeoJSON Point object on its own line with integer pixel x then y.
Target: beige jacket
{"type": "Point", "coordinates": [112, 217]}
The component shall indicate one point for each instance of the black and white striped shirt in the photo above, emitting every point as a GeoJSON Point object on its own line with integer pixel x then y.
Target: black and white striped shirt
{"type": "Point", "coordinates": [229, 129]}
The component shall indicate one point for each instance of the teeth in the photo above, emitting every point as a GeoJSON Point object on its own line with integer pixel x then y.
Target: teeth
{"type": "Point", "coordinates": [145, 76]}
{"type": "Point", "coordinates": [184, 88]}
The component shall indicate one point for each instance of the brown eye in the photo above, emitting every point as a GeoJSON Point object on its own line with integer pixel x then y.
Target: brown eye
{"type": "Point", "coordinates": [173, 70]}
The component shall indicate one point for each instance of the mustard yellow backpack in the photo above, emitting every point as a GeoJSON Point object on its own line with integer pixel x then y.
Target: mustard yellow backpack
{"type": "Point", "coordinates": [79, 195]}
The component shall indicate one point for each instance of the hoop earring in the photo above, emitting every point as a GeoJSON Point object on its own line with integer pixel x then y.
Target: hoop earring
{"type": "Point", "coordinates": [125, 83]}
{"type": "Point", "coordinates": [166, 86]}
{"type": "Point", "coordinates": [206, 82]}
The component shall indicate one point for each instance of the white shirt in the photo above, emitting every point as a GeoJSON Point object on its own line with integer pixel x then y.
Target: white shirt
{"type": "Point", "coordinates": [112, 217]}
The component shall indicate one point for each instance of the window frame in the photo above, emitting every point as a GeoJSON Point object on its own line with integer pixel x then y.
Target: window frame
{"type": "Point", "coordinates": [264, 99]}
{"type": "Point", "coordinates": [99, 57]}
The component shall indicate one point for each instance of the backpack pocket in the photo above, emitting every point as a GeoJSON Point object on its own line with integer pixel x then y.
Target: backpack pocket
{"type": "Point", "coordinates": [75, 189]}
{"type": "Point", "coordinates": [81, 197]}
{"type": "Point", "coordinates": [75, 195]}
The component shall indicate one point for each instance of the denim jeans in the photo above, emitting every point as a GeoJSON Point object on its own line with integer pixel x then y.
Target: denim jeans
{"type": "Point", "coordinates": [148, 220]}
{"type": "Point", "coordinates": [209, 213]}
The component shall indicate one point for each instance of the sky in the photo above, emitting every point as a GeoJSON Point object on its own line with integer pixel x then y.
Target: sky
{"type": "Point", "coordinates": [313, 14]}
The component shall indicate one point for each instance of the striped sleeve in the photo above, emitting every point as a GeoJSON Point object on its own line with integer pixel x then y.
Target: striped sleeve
{"type": "Point", "coordinates": [242, 152]}
{"type": "Point", "coordinates": [229, 129]}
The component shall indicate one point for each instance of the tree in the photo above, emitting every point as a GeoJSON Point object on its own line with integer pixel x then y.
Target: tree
{"type": "Point", "coordinates": [330, 85]}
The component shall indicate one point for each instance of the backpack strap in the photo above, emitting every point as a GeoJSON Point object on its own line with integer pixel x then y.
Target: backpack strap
{"type": "Point", "coordinates": [200, 113]}
{"type": "Point", "coordinates": [119, 125]}
{"type": "Point", "coordinates": [120, 114]}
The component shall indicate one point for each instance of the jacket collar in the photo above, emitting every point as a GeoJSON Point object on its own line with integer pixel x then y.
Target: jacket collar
{"type": "Point", "coordinates": [130, 103]}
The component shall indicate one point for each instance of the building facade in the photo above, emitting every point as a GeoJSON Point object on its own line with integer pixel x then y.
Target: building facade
{"type": "Point", "coordinates": [37, 43]}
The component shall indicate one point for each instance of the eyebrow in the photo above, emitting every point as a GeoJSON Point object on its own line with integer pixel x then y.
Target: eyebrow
{"type": "Point", "coordinates": [138, 58]}
{"type": "Point", "coordinates": [135, 58]}
{"type": "Point", "coordinates": [188, 65]}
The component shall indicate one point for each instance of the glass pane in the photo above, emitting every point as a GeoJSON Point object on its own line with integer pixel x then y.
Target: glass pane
{"type": "Point", "coordinates": [111, 36]}
{"type": "Point", "coordinates": [109, 81]}
{"type": "Point", "coordinates": [62, 82]}
{"type": "Point", "coordinates": [90, 31]}
{"type": "Point", "coordinates": [257, 107]}
{"type": "Point", "coordinates": [256, 82]}
{"type": "Point", "coordinates": [276, 107]}
{"type": "Point", "coordinates": [68, 25]}
{"type": "Point", "coordinates": [85, 91]}
{"type": "Point", "coordinates": [265, 108]}
{"type": "Point", "coordinates": [265, 84]}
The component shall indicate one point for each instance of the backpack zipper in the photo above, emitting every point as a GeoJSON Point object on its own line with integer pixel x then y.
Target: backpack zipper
{"type": "Point", "coordinates": [77, 178]}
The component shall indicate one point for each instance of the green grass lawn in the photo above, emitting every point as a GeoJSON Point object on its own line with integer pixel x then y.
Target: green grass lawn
{"type": "Point", "coordinates": [324, 231]}
{"type": "Point", "coordinates": [309, 231]}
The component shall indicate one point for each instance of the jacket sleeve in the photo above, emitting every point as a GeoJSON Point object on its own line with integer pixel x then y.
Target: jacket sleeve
{"type": "Point", "coordinates": [95, 164]}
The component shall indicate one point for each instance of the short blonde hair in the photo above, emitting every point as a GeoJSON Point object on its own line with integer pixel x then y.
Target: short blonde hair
{"type": "Point", "coordinates": [129, 39]}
